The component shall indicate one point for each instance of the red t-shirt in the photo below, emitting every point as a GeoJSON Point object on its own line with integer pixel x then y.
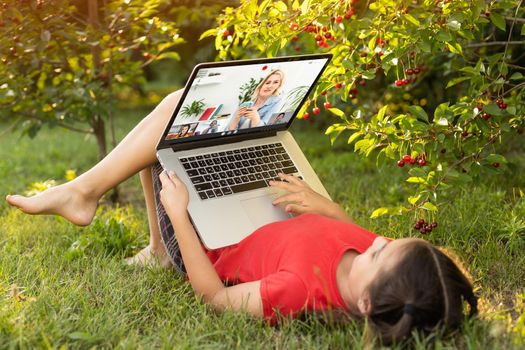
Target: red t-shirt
{"type": "Point", "coordinates": [296, 261]}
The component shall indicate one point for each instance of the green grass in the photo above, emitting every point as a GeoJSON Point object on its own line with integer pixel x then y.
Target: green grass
{"type": "Point", "coordinates": [64, 285]}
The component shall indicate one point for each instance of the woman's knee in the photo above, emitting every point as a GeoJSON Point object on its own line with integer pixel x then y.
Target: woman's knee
{"type": "Point", "coordinates": [170, 101]}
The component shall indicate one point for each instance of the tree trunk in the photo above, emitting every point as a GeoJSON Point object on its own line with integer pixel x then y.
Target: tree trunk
{"type": "Point", "coordinates": [99, 126]}
{"type": "Point", "coordinates": [99, 129]}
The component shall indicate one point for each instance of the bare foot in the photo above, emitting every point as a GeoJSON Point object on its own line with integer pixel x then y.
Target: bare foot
{"type": "Point", "coordinates": [64, 200]}
{"type": "Point", "coordinates": [150, 257]}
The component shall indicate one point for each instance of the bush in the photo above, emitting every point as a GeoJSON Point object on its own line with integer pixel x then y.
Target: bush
{"type": "Point", "coordinates": [433, 87]}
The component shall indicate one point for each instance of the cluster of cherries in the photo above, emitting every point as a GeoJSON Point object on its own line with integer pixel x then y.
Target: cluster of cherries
{"type": "Point", "coordinates": [407, 159]}
{"type": "Point", "coordinates": [409, 71]}
{"type": "Point", "coordinates": [501, 104]}
{"type": "Point", "coordinates": [425, 227]}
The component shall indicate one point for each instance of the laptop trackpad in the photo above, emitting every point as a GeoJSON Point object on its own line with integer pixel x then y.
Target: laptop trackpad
{"type": "Point", "coordinates": [261, 211]}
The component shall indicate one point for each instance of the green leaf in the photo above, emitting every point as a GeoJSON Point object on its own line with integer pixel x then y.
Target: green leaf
{"type": "Point", "coordinates": [454, 47]}
{"type": "Point", "coordinates": [381, 113]}
{"type": "Point", "coordinates": [281, 6]}
{"type": "Point", "coordinates": [354, 136]}
{"type": "Point", "coordinates": [493, 109]}
{"type": "Point", "coordinates": [416, 180]}
{"type": "Point", "coordinates": [498, 20]}
{"type": "Point", "coordinates": [418, 112]}
{"type": "Point", "coordinates": [305, 6]}
{"type": "Point", "coordinates": [412, 20]}
{"type": "Point", "coordinates": [429, 206]}
{"type": "Point", "coordinates": [441, 121]}
{"type": "Point", "coordinates": [169, 55]}
{"type": "Point", "coordinates": [337, 112]}
{"type": "Point", "coordinates": [456, 81]}
{"type": "Point", "coordinates": [379, 212]}
{"type": "Point", "coordinates": [209, 32]}
{"type": "Point", "coordinates": [413, 199]}
{"type": "Point", "coordinates": [496, 158]}
{"type": "Point", "coordinates": [523, 30]}
{"type": "Point", "coordinates": [516, 76]}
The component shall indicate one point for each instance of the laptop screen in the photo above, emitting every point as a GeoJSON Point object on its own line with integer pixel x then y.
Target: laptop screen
{"type": "Point", "coordinates": [243, 97]}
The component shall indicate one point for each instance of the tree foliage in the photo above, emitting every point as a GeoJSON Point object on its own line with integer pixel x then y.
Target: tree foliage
{"type": "Point", "coordinates": [436, 82]}
{"type": "Point", "coordinates": [63, 63]}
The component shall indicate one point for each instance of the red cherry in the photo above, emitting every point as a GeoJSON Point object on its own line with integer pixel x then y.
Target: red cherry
{"type": "Point", "coordinates": [400, 163]}
{"type": "Point", "coordinates": [407, 158]}
{"type": "Point", "coordinates": [295, 38]}
{"type": "Point", "coordinates": [318, 37]}
{"type": "Point", "coordinates": [324, 29]}
{"type": "Point", "coordinates": [226, 33]}
{"type": "Point", "coordinates": [503, 106]}
{"type": "Point", "coordinates": [409, 71]}
{"type": "Point", "coordinates": [327, 105]}
{"type": "Point", "coordinates": [325, 45]}
{"type": "Point", "coordinates": [362, 82]}
{"type": "Point", "coordinates": [306, 115]}
{"type": "Point", "coordinates": [339, 19]}
{"type": "Point", "coordinates": [485, 116]}
{"type": "Point", "coordinates": [465, 133]}
{"type": "Point", "coordinates": [338, 85]}
{"type": "Point", "coordinates": [416, 70]}
{"type": "Point", "coordinates": [422, 162]}
{"type": "Point", "coordinates": [264, 67]}
{"type": "Point", "coordinates": [324, 93]}
{"type": "Point", "coordinates": [349, 14]}
{"type": "Point", "coordinates": [412, 161]}
{"type": "Point", "coordinates": [328, 35]}
{"type": "Point", "coordinates": [316, 110]}
{"type": "Point", "coordinates": [321, 43]}
{"type": "Point", "coordinates": [496, 165]}
{"type": "Point", "coordinates": [406, 81]}
{"type": "Point", "coordinates": [294, 26]}
{"type": "Point", "coordinates": [399, 82]}
{"type": "Point", "coordinates": [353, 91]}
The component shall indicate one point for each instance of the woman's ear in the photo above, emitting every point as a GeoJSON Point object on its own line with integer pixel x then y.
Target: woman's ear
{"type": "Point", "coordinates": [363, 304]}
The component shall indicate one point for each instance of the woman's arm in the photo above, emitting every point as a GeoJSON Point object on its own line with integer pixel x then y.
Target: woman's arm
{"type": "Point", "coordinates": [302, 199]}
{"type": "Point", "coordinates": [202, 275]}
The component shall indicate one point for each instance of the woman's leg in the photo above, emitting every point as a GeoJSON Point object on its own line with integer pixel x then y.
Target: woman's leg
{"type": "Point", "coordinates": [77, 200]}
{"type": "Point", "coordinates": [155, 251]}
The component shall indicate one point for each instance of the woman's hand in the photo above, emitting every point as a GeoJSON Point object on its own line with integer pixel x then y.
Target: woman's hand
{"type": "Point", "coordinates": [252, 114]}
{"type": "Point", "coordinates": [174, 194]}
{"type": "Point", "coordinates": [302, 199]}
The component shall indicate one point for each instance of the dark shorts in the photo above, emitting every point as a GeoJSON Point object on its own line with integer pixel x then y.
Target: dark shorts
{"type": "Point", "coordinates": [166, 228]}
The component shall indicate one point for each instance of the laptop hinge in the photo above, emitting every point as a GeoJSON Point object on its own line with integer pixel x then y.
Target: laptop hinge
{"type": "Point", "coordinates": [220, 141]}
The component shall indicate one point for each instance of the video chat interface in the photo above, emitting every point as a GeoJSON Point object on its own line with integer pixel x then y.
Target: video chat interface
{"type": "Point", "coordinates": [226, 100]}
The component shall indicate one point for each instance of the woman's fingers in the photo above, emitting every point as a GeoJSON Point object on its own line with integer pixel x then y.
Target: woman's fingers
{"type": "Point", "coordinates": [293, 180]}
{"type": "Point", "coordinates": [295, 208]}
{"type": "Point", "coordinates": [173, 177]}
{"type": "Point", "coordinates": [165, 179]}
{"type": "Point", "coordinates": [290, 197]}
{"type": "Point", "coordinates": [285, 185]}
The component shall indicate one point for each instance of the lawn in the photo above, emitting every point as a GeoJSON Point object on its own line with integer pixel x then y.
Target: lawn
{"type": "Point", "coordinates": [64, 285]}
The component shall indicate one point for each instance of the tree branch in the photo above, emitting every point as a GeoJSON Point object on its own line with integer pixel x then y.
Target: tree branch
{"type": "Point", "coordinates": [495, 43]}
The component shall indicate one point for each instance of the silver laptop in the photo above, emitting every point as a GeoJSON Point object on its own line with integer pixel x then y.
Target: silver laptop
{"type": "Point", "coordinates": [228, 137]}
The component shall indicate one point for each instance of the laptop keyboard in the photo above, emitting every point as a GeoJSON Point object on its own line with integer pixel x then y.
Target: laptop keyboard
{"type": "Point", "coordinates": [224, 173]}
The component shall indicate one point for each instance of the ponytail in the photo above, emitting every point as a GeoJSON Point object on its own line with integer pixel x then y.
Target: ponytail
{"type": "Point", "coordinates": [424, 291]}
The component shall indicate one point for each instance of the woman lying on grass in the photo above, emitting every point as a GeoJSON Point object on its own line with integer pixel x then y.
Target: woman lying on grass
{"type": "Point", "coordinates": [317, 261]}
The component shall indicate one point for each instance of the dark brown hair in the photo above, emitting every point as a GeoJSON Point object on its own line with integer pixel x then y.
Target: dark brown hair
{"type": "Point", "coordinates": [426, 290]}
